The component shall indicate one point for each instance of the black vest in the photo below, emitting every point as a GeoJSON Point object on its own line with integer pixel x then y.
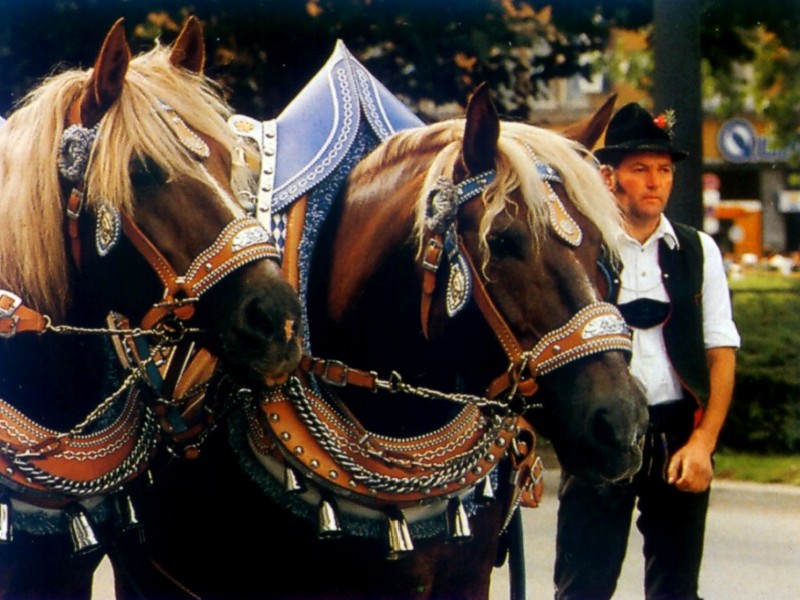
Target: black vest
{"type": "Point", "coordinates": [682, 272]}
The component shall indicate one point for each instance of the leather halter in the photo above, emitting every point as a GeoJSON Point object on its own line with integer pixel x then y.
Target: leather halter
{"type": "Point", "coordinates": [597, 327]}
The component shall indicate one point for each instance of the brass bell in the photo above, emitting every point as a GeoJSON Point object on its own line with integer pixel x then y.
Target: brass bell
{"type": "Point", "coordinates": [458, 528]}
{"type": "Point", "coordinates": [329, 526]}
{"type": "Point", "coordinates": [293, 482]}
{"type": "Point", "coordinates": [84, 539]}
{"type": "Point", "coordinates": [6, 531]}
{"type": "Point", "coordinates": [400, 543]}
{"type": "Point", "coordinates": [484, 491]}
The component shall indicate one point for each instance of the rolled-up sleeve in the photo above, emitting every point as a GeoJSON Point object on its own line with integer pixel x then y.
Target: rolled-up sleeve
{"type": "Point", "coordinates": [719, 330]}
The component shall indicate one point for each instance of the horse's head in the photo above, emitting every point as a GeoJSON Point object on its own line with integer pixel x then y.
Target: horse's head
{"type": "Point", "coordinates": [140, 151]}
{"type": "Point", "coordinates": [522, 224]}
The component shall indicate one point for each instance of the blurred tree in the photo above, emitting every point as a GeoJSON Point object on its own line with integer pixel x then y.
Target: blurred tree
{"type": "Point", "coordinates": [750, 58]}
{"type": "Point", "coordinates": [429, 52]}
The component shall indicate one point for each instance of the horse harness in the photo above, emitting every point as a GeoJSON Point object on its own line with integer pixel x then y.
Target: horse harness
{"type": "Point", "coordinates": [304, 437]}
{"type": "Point", "coordinates": [45, 472]}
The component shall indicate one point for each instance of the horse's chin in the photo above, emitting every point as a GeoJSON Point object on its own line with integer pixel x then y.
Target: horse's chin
{"type": "Point", "coordinates": [269, 371]}
{"type": "Point", "coordinates": [604, 468]}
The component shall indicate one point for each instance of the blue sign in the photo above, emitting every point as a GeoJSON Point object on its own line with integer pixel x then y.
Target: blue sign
{"type": "Point", "coordinates": [738, 142]}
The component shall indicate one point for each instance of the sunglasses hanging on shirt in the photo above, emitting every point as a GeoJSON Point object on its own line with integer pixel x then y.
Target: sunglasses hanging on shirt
{"type": "Point", "coordinates": [644, 313]}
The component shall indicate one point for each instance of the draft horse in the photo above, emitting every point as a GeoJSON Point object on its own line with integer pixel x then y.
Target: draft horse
{"type": "Point", "coordinates": [118, 192]}
{"type": "Point", "coordinates": [455, 292]}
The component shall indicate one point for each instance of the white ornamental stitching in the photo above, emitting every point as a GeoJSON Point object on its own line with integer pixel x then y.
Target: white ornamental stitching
{"type": "Point", "coordinates": [347, 125]}
{"type": "Point", "coordinates": [376, 120]}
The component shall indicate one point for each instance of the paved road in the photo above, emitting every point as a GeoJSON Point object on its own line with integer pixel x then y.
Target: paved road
{"type": "Point", "coordinates": [752, 547]}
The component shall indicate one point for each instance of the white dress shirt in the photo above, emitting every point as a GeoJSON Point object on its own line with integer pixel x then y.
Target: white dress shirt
{"type": "Point", "coordinates": [642, 278]}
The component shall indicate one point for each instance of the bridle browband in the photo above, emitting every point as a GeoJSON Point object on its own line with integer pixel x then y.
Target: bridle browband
{"type": "Point", "coordinates": [597, 327]}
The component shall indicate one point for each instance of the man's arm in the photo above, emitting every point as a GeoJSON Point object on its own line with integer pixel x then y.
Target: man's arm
{"type": "Point", "coordinates": [690, 469]}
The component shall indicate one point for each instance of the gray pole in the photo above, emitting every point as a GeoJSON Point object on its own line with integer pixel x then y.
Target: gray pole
{"type": "Point", "coordinates": [677, 78]}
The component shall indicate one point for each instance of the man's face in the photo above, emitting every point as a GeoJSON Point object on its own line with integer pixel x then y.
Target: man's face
{"type": "Point", "coordinates": [642, 184]}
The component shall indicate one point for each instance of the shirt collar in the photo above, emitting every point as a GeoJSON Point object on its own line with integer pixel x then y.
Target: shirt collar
{"type": "Point", "coordinates": [664, 231]}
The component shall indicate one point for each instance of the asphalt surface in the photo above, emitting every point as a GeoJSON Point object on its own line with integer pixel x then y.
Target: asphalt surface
{"type": "Point", "coordinates": [752, 547]}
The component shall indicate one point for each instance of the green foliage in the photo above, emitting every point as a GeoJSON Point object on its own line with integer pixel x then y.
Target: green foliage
{"type": "Point", "coordinates": [765, 415]}
{"type": "Point", "coordinates": [757, 468]}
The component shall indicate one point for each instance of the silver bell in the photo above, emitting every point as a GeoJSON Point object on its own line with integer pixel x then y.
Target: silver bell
{"type": "Point", "coordinates": [127, 513]}
{"type": "Point", "coordinates": [6, 531]}
{"type": "Point", "coordinates": [458, 528]}
{"type": "Point", "coordinates": [400, 543]}
{"type": "Point", "coordinates": [84, 539]}
{"type": "Point", "coordinates": [484, 491]}
{"type": "Point", "coordinates": [329, 526]}
{"type": "Point", "coordinates": [292, 481]}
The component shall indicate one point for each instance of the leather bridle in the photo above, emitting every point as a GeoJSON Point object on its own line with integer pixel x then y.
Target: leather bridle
{"type": "Point", "coordinates": [597, 327]}
{"type": "Point", "coordinates": [242, 241]}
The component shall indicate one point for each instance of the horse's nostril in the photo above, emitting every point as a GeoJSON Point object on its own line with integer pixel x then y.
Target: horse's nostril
{"type": "Point", "coordinates": [289, 330]}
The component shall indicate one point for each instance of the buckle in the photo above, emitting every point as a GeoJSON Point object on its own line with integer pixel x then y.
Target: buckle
{"type": "Point", "coordinates": [342, 381]}
{"type": "Point", "coordinates": [432, 255]}
{"type": "Point", "coordinates": [75, 204]}
{"type": "Point", "coordinates": [9, 303]}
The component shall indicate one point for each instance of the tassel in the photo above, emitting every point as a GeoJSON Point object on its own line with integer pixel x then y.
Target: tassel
{"type": "Point", "coordinates": [6, 532]}
{"type": "Point", "coordinates": [329, 526]}
{"type": "Point", "coordinates": [400, 543]}
{"type": "Point", "coordinates": [458, 527]}
{"type": "Point", "coordinates": [84, 539]}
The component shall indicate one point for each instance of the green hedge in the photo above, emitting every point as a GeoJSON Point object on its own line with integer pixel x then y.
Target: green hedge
{"type": "Point", "coordinates": [765, 414]}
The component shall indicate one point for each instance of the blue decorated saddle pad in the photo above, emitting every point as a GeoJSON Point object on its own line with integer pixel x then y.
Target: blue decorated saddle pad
{"type": "Point", "coordinates": [310, 148]}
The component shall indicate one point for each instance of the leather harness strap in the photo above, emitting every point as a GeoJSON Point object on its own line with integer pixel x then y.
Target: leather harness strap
{"type": "Point", "coordinates": [15, 317]}
{"type": "Point", "coordinates": [242, 241]}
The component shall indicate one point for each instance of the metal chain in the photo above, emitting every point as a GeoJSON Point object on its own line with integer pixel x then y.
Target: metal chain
{"type": "Point", "coordinates": [171, 332]}
{"type": "Point", "coordinates": [449, 472]}
{"type": "Point", "coordinates": [146, 440]}
{"type": "Point", "coordinates": [395, 383]}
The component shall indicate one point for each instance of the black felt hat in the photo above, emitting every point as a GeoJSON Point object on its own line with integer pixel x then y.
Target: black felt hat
{"type": "Point", "coordinates": [633, 129]}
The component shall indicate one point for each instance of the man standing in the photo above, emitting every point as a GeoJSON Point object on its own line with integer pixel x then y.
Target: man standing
{"type": "Point", "coordinates": [673, 292]}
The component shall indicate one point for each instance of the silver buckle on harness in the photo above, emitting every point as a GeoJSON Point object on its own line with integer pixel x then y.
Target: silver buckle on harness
{"type": "Point", "coordinates": [9, 303]}
{"type": "Point", "coordinates": [342, 381]}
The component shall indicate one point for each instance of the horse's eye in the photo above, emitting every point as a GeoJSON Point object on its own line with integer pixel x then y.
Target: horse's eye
{"type": "Point", "coordinates": [506, 245]}
{"type": "Point", "coordinates": [146, 172]}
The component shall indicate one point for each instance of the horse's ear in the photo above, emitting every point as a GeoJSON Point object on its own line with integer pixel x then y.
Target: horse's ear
{"type": "Point", "coordinates": [481, 133]}
{"type": "Point", "coordinates": [105, 84]}
{"type": "Point", "coordinates": [189, 50]}
{"type": "Point", "coordinates": [587, 131]}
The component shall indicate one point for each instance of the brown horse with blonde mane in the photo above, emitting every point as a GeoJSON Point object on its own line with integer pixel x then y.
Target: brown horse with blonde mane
{"type": "Point", "coordinates": [455, 294]}
{"type": "Point", "coordinates": [118, 192]}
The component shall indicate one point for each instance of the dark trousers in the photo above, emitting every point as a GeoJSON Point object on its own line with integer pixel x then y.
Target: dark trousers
{"type": "Point", "coordinates": [594, 522]}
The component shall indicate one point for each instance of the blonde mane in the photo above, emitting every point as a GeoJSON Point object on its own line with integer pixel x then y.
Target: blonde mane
{"type": "Point", "coordinates": [33, 260]}
{"type": "Point", "coordinates": [436, 149]}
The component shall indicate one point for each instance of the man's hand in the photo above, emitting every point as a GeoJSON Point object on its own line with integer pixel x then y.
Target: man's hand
{"type": "Point", "coordinates": [691, 469]}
